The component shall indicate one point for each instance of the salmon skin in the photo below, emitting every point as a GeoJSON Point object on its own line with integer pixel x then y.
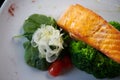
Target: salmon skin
{"type": "Point", "coordinates": [84, 24]}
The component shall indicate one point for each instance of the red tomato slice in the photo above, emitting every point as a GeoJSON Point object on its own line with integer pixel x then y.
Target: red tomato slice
{"type": "Point", "coordinates": [56, 68]}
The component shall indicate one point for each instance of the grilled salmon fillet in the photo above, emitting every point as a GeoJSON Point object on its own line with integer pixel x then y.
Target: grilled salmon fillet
{"type": "Point", "coordinates": [83, 24]}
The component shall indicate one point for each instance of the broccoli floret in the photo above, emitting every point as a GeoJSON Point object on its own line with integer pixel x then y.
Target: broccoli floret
{"type": "Point", "coordinates": [92, 61]}
{"type": "Point", "coordinates": [115, 24]}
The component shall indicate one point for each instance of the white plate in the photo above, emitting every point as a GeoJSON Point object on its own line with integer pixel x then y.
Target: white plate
{"type": "Point", "coordinates": [12, 64]}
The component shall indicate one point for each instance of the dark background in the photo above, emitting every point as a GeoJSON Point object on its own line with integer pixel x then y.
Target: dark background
{"type": "Point", "coordinates": [1, 2]}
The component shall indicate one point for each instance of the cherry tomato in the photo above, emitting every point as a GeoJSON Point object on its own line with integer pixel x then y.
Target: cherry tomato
{"type": "Point", "coordinates": [59, 65]}
{"type": "Point", "coordinates": [56, 68]}
{"type": "Point", "coordinates": [67, 62]}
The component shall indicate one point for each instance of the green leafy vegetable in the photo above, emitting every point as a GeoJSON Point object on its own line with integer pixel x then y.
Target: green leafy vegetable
{"type": "Point", "coordinates": [34, 22]}
{"type": "Point", "coordinates": [92, 61]}
{"type": "Point", "coordinates": [32, 57]}
{"type": "Point", "coordinates": [31, 53]}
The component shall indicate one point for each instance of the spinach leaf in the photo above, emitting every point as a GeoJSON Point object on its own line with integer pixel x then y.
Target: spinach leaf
{"type": "Point", "coordinates": [33, 23]}
{"type": "Point", "coordinates": [32, 57]}
{"type": "Point", "coordinates": [31, 53]}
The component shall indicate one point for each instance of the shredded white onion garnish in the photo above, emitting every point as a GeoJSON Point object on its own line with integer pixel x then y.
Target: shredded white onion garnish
{"type": "Point", "coordinates": [49, 42]}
